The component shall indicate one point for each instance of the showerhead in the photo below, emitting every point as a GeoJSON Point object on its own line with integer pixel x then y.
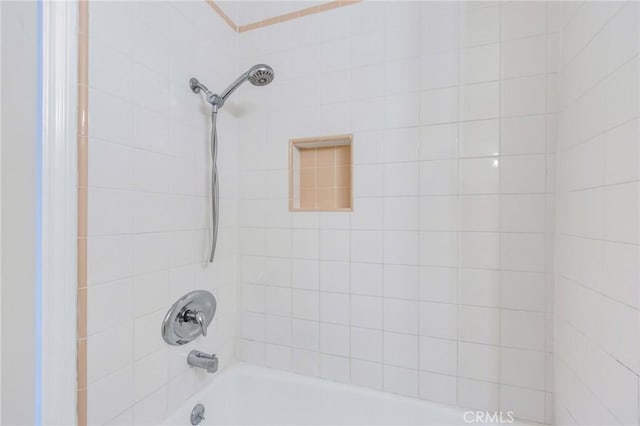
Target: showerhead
{"type": "Point", "coordinates": [260, 75]}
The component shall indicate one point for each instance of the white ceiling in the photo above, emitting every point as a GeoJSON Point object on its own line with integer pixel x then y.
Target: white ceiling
{"type": "Point", "coordinates": [247, 12]}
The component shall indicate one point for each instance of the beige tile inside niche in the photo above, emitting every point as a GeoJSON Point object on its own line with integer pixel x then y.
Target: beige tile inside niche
{"type": "Point", "coordinates": [320, 173]}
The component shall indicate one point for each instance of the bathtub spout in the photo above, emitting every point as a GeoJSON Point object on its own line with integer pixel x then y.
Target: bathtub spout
{"type": "Point", "coordinates": [202, 360]}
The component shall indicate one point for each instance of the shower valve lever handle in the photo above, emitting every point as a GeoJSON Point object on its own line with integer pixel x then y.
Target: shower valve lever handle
{"type": "Point", "coordinates": [197, 318]}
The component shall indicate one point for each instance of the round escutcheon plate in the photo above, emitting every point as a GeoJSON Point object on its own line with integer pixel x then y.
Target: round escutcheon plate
{"type": "Point", "coordinates": [176, 328]}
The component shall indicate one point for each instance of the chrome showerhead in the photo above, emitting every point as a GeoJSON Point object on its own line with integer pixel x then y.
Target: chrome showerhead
{"type": "Point", "coordinates": [260, 75]}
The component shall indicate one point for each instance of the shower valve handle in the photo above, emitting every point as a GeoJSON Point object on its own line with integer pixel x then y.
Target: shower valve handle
{"type": "Point", "coordinates": [197, 318]}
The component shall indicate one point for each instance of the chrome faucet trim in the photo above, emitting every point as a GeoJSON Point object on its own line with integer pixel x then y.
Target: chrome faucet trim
{"type": "Point", "coordinates": [202, 360]}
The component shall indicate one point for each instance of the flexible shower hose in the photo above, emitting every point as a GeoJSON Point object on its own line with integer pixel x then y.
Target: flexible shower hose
{"type": "Point", "coordinates": [214, 185]}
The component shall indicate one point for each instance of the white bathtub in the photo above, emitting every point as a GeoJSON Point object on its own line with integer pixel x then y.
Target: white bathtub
{"type": "Point", "coordinates": [251, 395]}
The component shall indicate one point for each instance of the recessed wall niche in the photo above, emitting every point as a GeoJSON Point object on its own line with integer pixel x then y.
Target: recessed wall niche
{"type": "Point", "coordinates": [320, 174]}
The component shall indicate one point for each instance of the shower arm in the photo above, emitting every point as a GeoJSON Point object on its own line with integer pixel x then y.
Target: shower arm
{"type": "Point", "coordinates": [217, 101]}
{"type": "Point", "coordinates": [232, 87]}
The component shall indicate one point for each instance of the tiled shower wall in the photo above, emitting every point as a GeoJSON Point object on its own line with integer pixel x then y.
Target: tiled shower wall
{"type": "Point", "coordinates": [148, 230]}
{"type": "Point", "coordinates": [597, 343]}
{"type": "Point", "coordinates": [439, 284]}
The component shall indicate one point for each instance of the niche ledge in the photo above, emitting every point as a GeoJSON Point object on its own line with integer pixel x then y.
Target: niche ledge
{"type": "Point", "coordinates": [320, 170]}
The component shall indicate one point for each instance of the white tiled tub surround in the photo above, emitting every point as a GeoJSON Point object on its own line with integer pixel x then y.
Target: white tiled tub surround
{"type": "Point", "coordinates": [439, 284]}
{"type": "Point", "coordinates": [148, 224]}
{"type": "Point", "coordinates": [597, 343]}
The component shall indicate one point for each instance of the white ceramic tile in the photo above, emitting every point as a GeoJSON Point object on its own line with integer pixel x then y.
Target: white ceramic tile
{"type": "Point", "coordinates": [479, 287]}
{"type": "Point", "coordinates": [479, 138]}
{"type": "Point", "coordinates": [401, 76]}
{"type": "Point", "coordinates": [524, 96]}
{"type": "Point", "coordinates": [439, 355]}
{"type": "Point", "coordinates": [480, 26]}
{"type": "Point", "coordinates": [479, 176]}
{"type": "Point", "coordinates": [401, 247]}
{"type": "Point", "coordinates": [523, 213]}
{"type": "Point", "coordinates": [439, 35]}
{"type": "Point", "coordinates": [524, 57]}
{"type": "Point", "coordinates": [524, 135]}
{"type": "Point", "coordinates": [334, 339]}
{"type": "Point", "coordinates": [522, 368]}
{"type": "Point", "coordinates": [150, 373]}
{"type": "Point", "coordinates": [439, 106]}
{"type": "Point", "coordinates": [109, 351]}
{"type": "Point", "coordinates": [526, 404]}
{"type": "Point", "coordinates": [366, 311]}
{"type": "Point", "coordinates": [438, 213]}
{"type": "Point", "coordinates": [110, 396]}
{"type": "Point", "coordinates": [367, 374]}
{"type": "Point", "coordinates": [479, 324]}
{"type": "Point", "coordinates": [438, 284]}
{"type": "Point", "coordinates": [401, 282]}
{"type": "Point", "coordinates": [109, 258]}
{"type": "Point", "coordinates": [304, 335]}
{"type": "Point", "coordinates": [523, 174]}
{"type": "Point", "coordinates": [479, 250]}
{"type": "Point", "coordinates": [112, 118]}
{"type": "Point", "coordinates": [366, 49]}
{"type": "Point", "coordinates": [278, 357]}
{"type": "Point", "coordinates": [438, 177]}
{"type": "Point", "coordinates": [439, 70]}
{"type": "Point", "coordinates": [522, 290]}
{"type": "Point", "coordinates": [400, 144]}
{"type": "Point", "coordinates": [334, 245]}
{"type": "Point", "coordinates": [401, 350]}
{"type": "Point", "coordinates": [621, 156]}
{"type": "Point", "coordinates": [366, 278]}
{"type": "Point", "coordinates": [438, 142]}
{"type": "Point", "coordinates": [334, 308]}
{"type": "Point", "coordinates": [366, 344]}
{"type": "Point", "coordinates": [401, 316]}
{"type": "Point", "coordinates": [305, 362]}
{"type": "Point", "coordinates": [521, 329]}
{"type": "Point", "coordinates": [402, 41]}
{"type": "Point", "coordinates": [278, 330]}
{"type": "Point", "coordinates": [366, 246]}
{"type": "Point", "coordinates": [305, 274]}
{"type": "Point", "coordinates": [401, 381]}
{"type": "Point", "coordinates": [481, 63]}
{"type": "Point", "coordinates": [334, 368]}
{"type": "Point", "coordinates": [109, 304]}
{"type": "Point", "coordinates": [401, 179]}
{"type": "Point", "coordinates": [438, 387]}
{"type": "Point", "coordinates": [438, 249]}
{"type": "Point", "coordinates": [524, 19]}
{"type": "Point", "coordinates": [401, 213]}
{"type": "Point", "coordinates": [334, 276]}
{"type": "Point", "coordinates": [522, 252]}
{"type": "Point", "coordinates": [478, 213]}
{"type": "Point", "coordinates": [305, 304]}
{"type": "Point", "coordinates": [478, 394]}
{"type": "Point", "coordinates": [438, 320]}
{"type": "Point", "coordinates": [278, 301]}
{"type": "Point", "coordinates": [479, 362]}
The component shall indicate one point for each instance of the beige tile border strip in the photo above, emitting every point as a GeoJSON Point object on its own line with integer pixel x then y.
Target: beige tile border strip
{"type": "Point", "coordinates": [223, 15]}
{"type": "Point", "coordinates": [83, 181]}
{"type": "Point", "coordinates": [281, 18]}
